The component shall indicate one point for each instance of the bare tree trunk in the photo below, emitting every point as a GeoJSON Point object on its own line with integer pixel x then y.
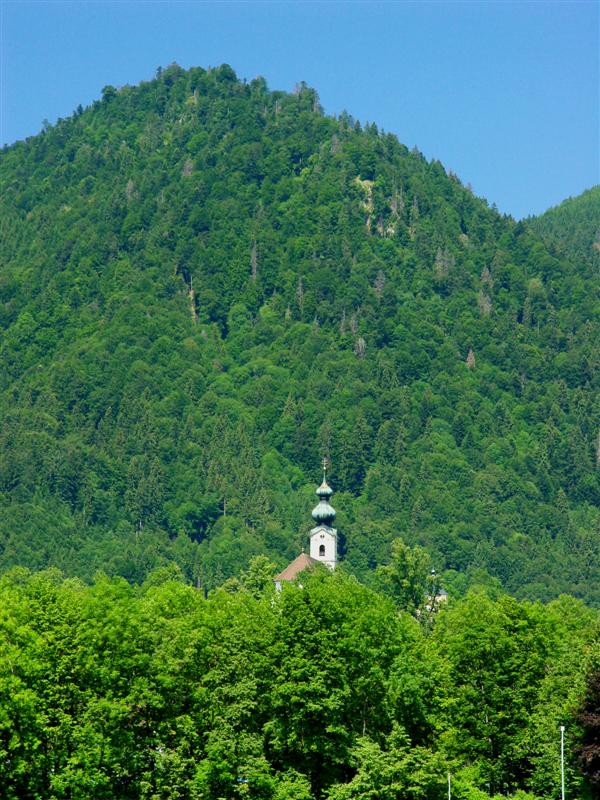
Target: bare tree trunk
{"type": "Point", "coordinates": [254, 260]}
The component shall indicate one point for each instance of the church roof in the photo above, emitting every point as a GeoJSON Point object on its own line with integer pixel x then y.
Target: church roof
{"type": "Point", "coordinates": [297, 566]}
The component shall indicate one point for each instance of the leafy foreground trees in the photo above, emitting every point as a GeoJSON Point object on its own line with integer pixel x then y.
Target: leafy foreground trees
{"type": "Point", "coordinates": [589, 720]}
{"type": "Point", "coordinates": [323, 691]}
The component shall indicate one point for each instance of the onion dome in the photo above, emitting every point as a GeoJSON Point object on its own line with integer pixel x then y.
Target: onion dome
{"type": "Point", "coordinates": [324, 491]}
{"type": "Point", "coordinates": [324, 513]}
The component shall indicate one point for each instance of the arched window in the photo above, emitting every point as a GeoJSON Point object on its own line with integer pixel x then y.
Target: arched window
{"type": "Point", "coordinates": [321, 549]}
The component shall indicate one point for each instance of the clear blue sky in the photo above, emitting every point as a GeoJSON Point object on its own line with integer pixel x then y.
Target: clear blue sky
{"type": "Point", "coordinates": [506, 94]}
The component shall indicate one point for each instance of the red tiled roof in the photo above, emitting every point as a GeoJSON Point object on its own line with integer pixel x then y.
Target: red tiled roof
{"type": "Point", "coordinates": [297, 566]}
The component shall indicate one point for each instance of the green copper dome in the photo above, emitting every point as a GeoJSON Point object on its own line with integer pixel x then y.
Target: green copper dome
{"type": "Point", "coordinates": [324, 513]}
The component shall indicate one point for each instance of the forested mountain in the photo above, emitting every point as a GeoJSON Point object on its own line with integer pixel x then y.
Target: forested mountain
{"type": "Point", "coordinates": [573, 228]}
{"type": "Point", "coordinates": [207, 286]}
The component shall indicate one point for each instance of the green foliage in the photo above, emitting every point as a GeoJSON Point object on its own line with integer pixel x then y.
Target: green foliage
{"type": "Point", "coordinates": [322, 691]}
{"type": "Point", "coordinates": [496, 659]}
{"type": "Point", "coordinates": [573, 227]}
{"type": "Point", "coordinates": [588, 716]}
{"type": "Point", "coordinates": [405, 577]}
{"type": "Point", "coordinates": [207, 286]}
{"type": "Point", "coordinates": [412, 773]}
{"type": "Point", "coordinates": [259, 575]}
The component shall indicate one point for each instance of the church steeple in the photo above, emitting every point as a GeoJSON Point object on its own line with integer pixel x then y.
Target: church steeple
{"type": "Point", "coordinates": [323, 537]}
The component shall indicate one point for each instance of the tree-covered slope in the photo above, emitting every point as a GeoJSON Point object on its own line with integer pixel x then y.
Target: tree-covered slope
{"type": "Point", "coordinates": [573, 227]}
{"type": "Point", "coordinates": [207, 286]}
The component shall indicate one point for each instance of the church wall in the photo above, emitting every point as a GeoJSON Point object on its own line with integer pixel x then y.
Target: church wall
{"type": "Point", "coordinates": [323, 545]}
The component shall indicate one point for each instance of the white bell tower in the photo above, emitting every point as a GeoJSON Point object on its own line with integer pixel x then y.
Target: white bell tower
{"type": "Point", "coordinates": [323, 537]}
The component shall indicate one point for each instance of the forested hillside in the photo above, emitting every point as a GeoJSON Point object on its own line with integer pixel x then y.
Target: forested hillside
{"type": "Point", "coordinates": [573, 228]}
{"type": "Point", "coordinates": [207, 286]}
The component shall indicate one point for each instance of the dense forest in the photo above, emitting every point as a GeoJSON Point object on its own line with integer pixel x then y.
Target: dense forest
{"type": "Point", "coordinates": [207, 286]}
{"type": "Point", "coordinates": [325, 692]}
{"type": "Point", "coordinates": [573, 227]}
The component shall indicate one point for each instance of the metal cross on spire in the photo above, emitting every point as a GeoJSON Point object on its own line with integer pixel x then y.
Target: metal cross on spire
{"type": "Point", "coordinates": [324, 462]}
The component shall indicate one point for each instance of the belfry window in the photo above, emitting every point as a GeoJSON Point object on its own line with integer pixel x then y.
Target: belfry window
{"type": "Point", "coordinates": [321, 549]}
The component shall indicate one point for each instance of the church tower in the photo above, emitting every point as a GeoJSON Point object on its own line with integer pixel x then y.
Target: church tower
{"type": "Point", "coordinates": [323, 537]}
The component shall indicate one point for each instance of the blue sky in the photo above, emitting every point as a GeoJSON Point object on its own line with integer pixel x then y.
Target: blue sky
{"type": "Point", "coordinates": [506, 94]}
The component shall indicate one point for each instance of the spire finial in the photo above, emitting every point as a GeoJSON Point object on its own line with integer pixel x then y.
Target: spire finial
{"type": "Point", "coordinates": [324, 464]}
